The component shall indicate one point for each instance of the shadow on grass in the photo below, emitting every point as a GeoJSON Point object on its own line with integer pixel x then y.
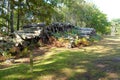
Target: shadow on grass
{"type": "Point", "coordinates": [66, 65]}
{"type": "Point", "coordinates": [16, 72]}
{"type": "Point", "coordinates": [71, 65]}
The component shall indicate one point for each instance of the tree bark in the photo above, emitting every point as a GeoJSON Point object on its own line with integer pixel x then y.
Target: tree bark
{"type": "Point", "coordinates": [31, 62]}
{"type": "Point", "coordinates": [18, 18]}
{"type": "Point", "coordinates": [11, 21]}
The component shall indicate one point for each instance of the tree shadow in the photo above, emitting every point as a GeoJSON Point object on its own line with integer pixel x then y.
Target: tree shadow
{"type": "Point", "coordinates": [74, 65]}
{"type": "Point", "coordinates": [66, 65]}
{"type": "Point", "coordinates": [98, 63]}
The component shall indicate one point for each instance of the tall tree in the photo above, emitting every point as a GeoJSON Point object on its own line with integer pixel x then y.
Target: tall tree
{"type": "Point", "coordinates": [12, 15]}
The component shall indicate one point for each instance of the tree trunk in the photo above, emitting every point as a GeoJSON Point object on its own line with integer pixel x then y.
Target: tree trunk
{"type": "Point", "coordinates": [31, 62]}
{"type": "Point", "coordinates": [18, 18]}
{"type": "Point", "coordinates": [11, 21]}
{"type": "Point", "coordinates": [8, 22]}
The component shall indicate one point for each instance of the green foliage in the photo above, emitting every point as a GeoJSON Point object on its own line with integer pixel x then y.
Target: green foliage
{"type": "Point", "coordinates": [84, 14]}
{"type": "Point", "coordinates": [73, 32]}
{"type": "Point", "coordinates": [77, 12]}
{"type": "Point", "coordinates": [108, 30]}
{"type": "Point", "coordinates": [5, 48]}
{"type": "Point", "coordinates": [95, 38]}
{"type": "Point", "coordinates": [6, 54]}
{"type": "Point", "coordinates": [1, 52]}
{"type": "Point", "coordinates": [25, 52]}
{"type": "Point", "coordinates": [78, 41]}
{"type": "Point", "coordinates": [57, 35]}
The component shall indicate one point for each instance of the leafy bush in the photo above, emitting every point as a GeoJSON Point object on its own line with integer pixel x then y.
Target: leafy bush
{"type": "Point", "coordinates": [95, 38]}
{"type": "Point", "coordinates": [24, 52]}
{"type": "Point", "coordinates": [78, 42]}
{"type": "Point", "coordinates": [85, 42]}
{"type": "Point", "coordinates": [6, 54]}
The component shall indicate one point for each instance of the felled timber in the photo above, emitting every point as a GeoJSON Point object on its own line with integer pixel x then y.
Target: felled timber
{"type": "Point", "coordinates": [86, 32]}
{"type": "Point", "coordinates": [34, 32]}
{"type": "Point", "coordinates": [57, 27]}
{"type": "Point", "coordinates": [28, 34]}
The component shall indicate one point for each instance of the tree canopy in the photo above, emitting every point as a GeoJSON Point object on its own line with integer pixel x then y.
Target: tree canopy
{"type": "Point", "coordinates": [16, 13]}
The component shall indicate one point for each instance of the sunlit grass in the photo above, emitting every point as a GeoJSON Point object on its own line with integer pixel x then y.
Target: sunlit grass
{"type": "Point", "coordinates": [68, 64]}
{"type": "Point", "coordinates": [15, 72]}
{"type": "Point", "coordinates": [54, 66]}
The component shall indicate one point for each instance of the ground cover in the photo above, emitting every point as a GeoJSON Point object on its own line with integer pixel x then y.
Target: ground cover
{"type": "Point", "coordinates": [100, 61]}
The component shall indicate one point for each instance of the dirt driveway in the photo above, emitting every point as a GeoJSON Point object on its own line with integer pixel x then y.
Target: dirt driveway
{"type": "Point", "coordinates": [107, 46]}
{"type": "Point", "coordinates": [109, 50]}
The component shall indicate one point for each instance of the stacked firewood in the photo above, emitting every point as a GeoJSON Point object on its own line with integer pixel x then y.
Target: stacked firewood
{"type": "Point", "coordinates": [53, 28]}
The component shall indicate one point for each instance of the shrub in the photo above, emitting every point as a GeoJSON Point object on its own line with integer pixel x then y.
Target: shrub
{"type": "Point", "coordinates": [24, 52]}
{"type": "Point", "coordinates": [95, 38]}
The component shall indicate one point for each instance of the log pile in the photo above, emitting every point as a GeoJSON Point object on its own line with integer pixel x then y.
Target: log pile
{"type": "Point", "coordinates": [53, 28]}
{"type": "Point", "coordinates": [40, 31]}
{"type": "Point", "coordinates": [70, 35]}
{"type": "Point", "coordinates": [86, 32]}
{"type": "Point", "coordinates": [35, 32]}
{"type": "Point", "coordinates": [28, 34]}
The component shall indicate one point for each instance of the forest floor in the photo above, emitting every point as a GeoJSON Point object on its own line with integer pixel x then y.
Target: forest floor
{"type": "Point", "coordinates": [100, 61]}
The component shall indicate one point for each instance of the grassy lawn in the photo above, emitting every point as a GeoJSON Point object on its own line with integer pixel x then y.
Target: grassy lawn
{"type": "Point", "coordinates": [97, 62]}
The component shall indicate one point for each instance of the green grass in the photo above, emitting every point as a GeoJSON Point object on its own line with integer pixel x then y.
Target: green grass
{"type": "Point", "coordinates": [69, 64]}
